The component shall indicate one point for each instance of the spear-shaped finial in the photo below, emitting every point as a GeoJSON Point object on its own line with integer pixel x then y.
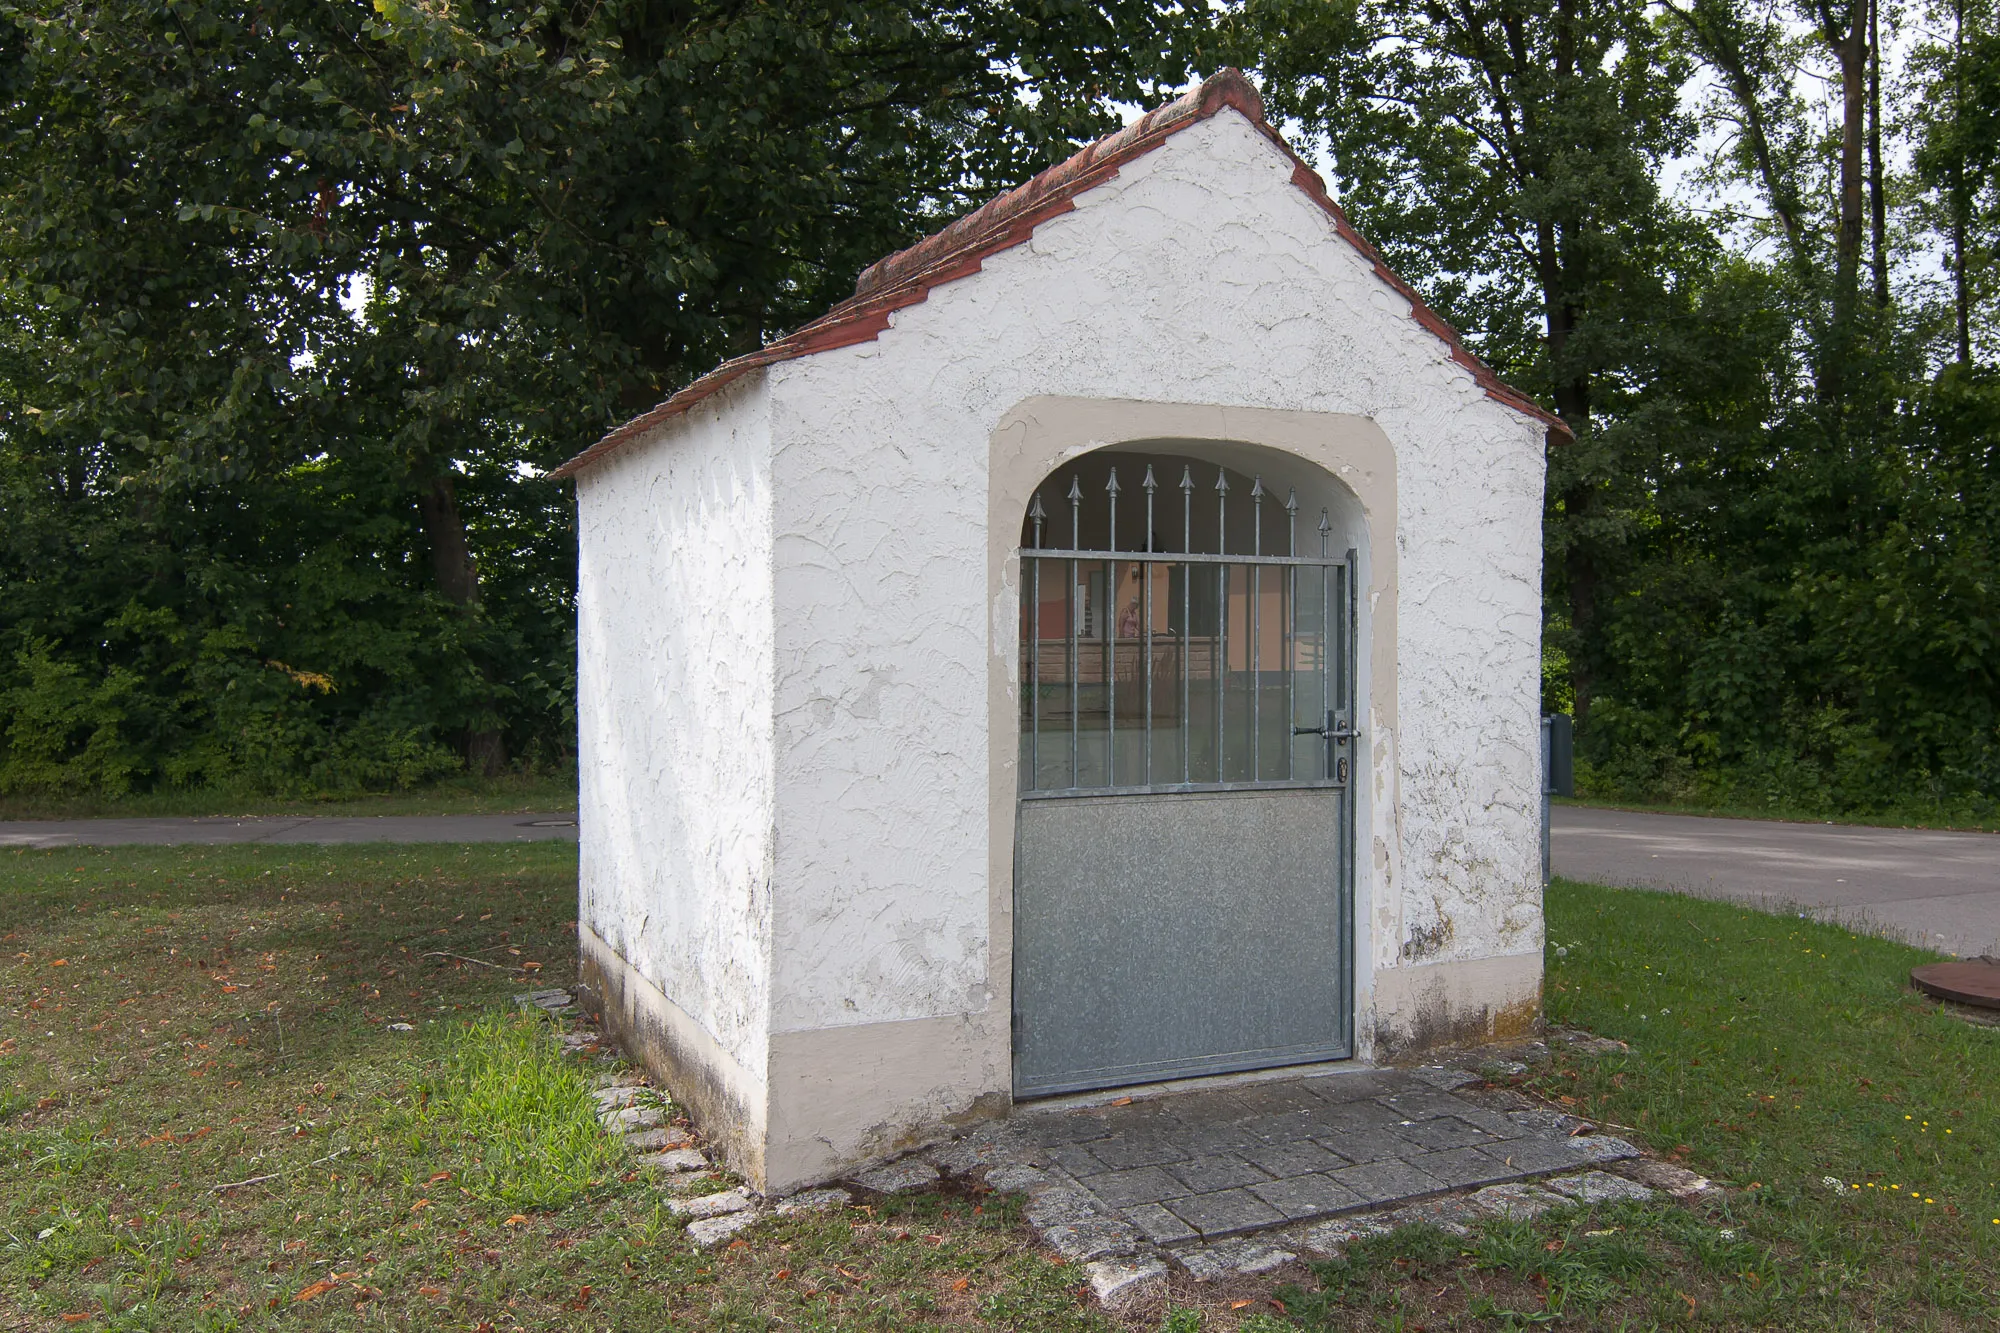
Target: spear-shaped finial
{"type": "Point", "coordinates": [1325, 530]}
{"type": "Point", "coordinates": [1149, 484]}
{"type": "Point", "coordinates": [1111, 489]}
{"type": "Point", "coordinates": [1075, 513]}
{"type": "Point", "coordinates": [1035, 515]}
{"type": "Point", "coordinates": [1256, 516]}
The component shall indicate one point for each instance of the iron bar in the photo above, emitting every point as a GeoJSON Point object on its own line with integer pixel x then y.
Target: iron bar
{"type": "Point", "coordinates": [1351, 675]}
{"type": "Point", "coordinates": [1196, 557]}
{"type": "Point", "coordinates": [1187, 618]}
{"type": "Point", "coordinates": [1326, 648]}
{"type": "Point", "coordinates": [1291, 631]}
{"type": "Point", "coordinates": [1149, 486]}
{"type": "Point", "coordinates": [1110, 615]}
{"type": "Point", "coordinates": [1176, 558]}
{"type": "Point", "coordinates": [1035, 514]}
{"type": "Point", "coordinates": [1075, 541]}
{"type": "Point", "coordinates": [1175, 788]}
{"type": "Point", "coordinates": [1349, 631]}
{"type": "Point", "coordinates": [1256, 631]}
{"type": "Point", "coordinates": [1221, 619]}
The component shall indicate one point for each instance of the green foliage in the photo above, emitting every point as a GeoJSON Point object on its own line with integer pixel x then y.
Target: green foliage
{"type": "Point", "coordinates": [299, 302]}
{"type": "Point", "coordinates": [1784, 652]}
{"type": "Point", "coordinates": [1771, 549]}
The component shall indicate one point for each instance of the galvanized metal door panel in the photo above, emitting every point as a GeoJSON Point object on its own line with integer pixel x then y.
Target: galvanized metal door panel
{"type": "Point", "coordinates": [1160, 936]}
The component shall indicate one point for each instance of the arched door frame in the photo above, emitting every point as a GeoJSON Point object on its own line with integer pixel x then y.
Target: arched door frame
{"type": "Point", "coordinates": [1038, 437]}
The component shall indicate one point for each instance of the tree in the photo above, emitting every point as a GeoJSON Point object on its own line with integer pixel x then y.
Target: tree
{"type": "Point", "coordinates": [1504, 155]}
{"type": "Point", "coordinates": [1958, 157]}
{"type": "Point", "coordinates": [418, 253]}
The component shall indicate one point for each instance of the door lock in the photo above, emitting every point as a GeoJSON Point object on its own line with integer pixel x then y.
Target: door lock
{"type": "Point", "coordinates": [1334, 733]}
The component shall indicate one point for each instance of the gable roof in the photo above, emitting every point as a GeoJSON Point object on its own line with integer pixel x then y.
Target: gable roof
{"type": "Point", "coordinates": [906, 277]}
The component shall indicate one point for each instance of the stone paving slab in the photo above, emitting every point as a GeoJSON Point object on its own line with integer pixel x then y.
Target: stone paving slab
{"type": "Point", "coordinates": [1196, 1168]}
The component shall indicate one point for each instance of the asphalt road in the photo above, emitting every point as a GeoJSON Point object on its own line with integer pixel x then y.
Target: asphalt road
{"type": "Point", "coordinates": [287, 828]}
{"type": "Point", "coordinates": [1940, 890]}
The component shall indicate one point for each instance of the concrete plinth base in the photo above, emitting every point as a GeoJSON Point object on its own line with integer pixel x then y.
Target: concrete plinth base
{"type": "Point", "coordinates": [829, 1099]}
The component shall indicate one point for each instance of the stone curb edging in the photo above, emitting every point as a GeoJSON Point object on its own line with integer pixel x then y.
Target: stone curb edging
{"type": "Point", "coordinates": [628, 1107]}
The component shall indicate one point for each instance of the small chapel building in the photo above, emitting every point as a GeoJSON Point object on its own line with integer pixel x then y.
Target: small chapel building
{"type": "Point", "coordinates": [1104, 650]}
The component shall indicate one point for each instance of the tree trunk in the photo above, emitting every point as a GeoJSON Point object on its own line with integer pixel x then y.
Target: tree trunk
{"type": "Point", "coordinates": [1721, 44]}
{"type": "Point", "coordinates": [1572, 395]}
{"type": "Point", "coordinates": [451, 559]}
{"type": "Point", "coordinates": [1958, 194]}
{"type": "Point", "coordinates": [457, 575]}
{"type": "Point", "coordinates": [1851, 48]}
{"type": "Point", "coordinates": [1878, 211]}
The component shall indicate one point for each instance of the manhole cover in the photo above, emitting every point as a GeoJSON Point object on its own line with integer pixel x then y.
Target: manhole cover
{"type": "Point", "coordinates": [1972, 981]}
{"type": "Point", "coordinates": [549, 823]}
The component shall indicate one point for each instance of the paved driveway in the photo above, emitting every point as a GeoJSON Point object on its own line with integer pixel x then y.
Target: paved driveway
{"type": "Point", "coordinates": [1941, 890]}
{"type": "Point", "coordinates": [286, 828]}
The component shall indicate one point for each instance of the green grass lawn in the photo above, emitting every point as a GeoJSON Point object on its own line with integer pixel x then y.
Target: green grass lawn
{"type": "Point", "coordinates": [512, 794]}
{"type": "Point", "coordinates": [179, 1019]}
{"type": "Point", "coordinates": [182, 1019]}
{"type": "Point", "coordinates": [1857, 1122]}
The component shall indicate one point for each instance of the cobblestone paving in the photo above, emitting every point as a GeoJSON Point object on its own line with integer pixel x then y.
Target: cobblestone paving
{"type": "Point", "coordinates": [1205, 1166]}
{"type": "Point", "coordinates": [1247, 1178]}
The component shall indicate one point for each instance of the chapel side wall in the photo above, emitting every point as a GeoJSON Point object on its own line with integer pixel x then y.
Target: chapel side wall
{"type": "Point", "coordinates": [674, 674]}
{"type": "Point", "coordinates": [1464, 962]}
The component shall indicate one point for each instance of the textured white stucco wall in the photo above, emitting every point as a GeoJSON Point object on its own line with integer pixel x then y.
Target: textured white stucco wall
{"type": "Point", "coordinates": [1200, 274]}
{"type": "Point", "coordinates": [674, 690]}
{"type": "Point", "coordinates": [791, 634]}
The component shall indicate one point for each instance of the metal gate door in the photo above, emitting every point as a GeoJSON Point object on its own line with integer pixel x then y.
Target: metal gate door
{"type": "Point", "coordinates": [1183, 858]}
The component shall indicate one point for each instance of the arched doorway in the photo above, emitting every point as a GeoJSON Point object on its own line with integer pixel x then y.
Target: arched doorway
{"type": "Point", "coordinates": [1183, 898]}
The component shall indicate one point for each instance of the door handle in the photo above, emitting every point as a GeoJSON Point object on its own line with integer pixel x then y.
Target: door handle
{"type": "Point", "coordinates": [1333, 730]}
